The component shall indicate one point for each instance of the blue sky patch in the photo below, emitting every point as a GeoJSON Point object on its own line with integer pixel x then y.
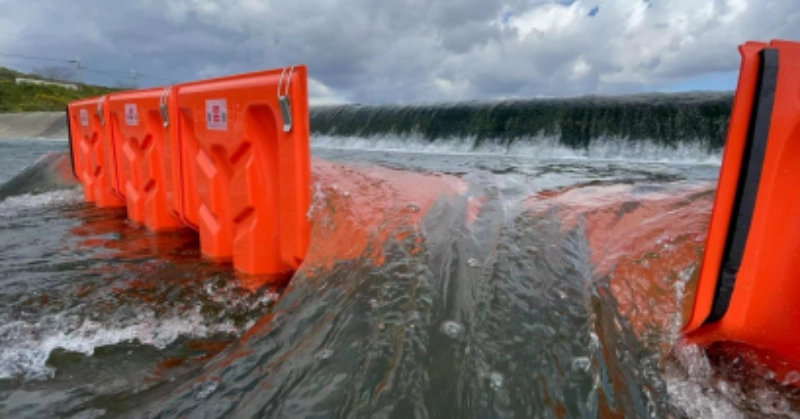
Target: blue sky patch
{"type": "Point", "coordinates": [709, 81]}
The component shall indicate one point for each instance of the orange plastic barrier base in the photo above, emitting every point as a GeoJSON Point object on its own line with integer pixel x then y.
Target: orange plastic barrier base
{"type": "Point", "coordinates": [229, 157]}
{"type": "Point", "coordinates": [141, 174]}
{"type": "Point", "coordinates": [749, 283]}
{"type": "Point", "coordinates": [91, 157]}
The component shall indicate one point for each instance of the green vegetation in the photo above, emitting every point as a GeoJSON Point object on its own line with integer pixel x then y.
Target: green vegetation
{"type": "Point", "coordinates": [31, 97]}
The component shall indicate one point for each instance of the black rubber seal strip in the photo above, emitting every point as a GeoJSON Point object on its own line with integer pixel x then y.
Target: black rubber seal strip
{"type": "Point", "coordinates": [69, 138]}
{"type": "Point", "coordinates": [749, 179]}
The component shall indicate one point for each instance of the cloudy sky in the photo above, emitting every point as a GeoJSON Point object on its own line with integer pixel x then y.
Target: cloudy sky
{"type": "Point", "coordinates": [372, 51]}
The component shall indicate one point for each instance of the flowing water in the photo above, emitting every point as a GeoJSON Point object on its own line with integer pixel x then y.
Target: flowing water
{"type": "Point", "coordinates": [444, 279]}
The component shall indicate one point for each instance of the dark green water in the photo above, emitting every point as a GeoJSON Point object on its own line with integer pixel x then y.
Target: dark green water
{"type": "Point", "coordinates": [698, 120]}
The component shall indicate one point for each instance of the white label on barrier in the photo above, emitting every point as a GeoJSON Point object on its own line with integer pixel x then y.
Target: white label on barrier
{"type": "Point", "coordinates": [131, 114]}
{"type": "Point", "coordinates": [84, 117]}
{"type": "Point", "coordinates": [217, 114]}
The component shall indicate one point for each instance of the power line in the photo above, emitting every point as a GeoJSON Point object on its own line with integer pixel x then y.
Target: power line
{"type": "Point", "coordinates": [31, 57]}
{"type": "Point", "coordinates": [80, 67]}
{"type": "Point", "coordinates": [126, 73]}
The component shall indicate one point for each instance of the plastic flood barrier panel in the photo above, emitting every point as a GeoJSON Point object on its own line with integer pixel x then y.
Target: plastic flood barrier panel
{"type": "Point", "coordinates": [92, 157]}
{"type": "Point", "coordinates": [749, 282]}
{"type": "Point", "coordinates": [245, 168]}
{"type": "Point", "coordinates": [229, 157]}
{"type": "Point", "coordinates": [140, 134]}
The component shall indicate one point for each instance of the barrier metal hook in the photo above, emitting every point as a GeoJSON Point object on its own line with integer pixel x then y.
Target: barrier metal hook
{"type": "Point", "coordinates": [284, 101]}
{"type": "Point", "coordinates": [100, 110]}
{"type": "Point", "coordinates": [163, 105]}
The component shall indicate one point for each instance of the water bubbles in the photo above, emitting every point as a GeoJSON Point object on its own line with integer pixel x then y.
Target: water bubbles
{"type": "Point", "coordinates": [726, 389]}
{"type": "Point", "coordinates": [792, 377]}
{"type": "Point", "coordinates": [452, 329]}
{"type": "Point", "coordinates": [581, 363]}
{"type": "Point", "coordinates": [771, 403]}
{"type": "Point", "coordinates": [594, 341]}
{"type": "Point", "coordinates": [210, 289]}
{"type": "Point", "coordinates": [473, 263]}
{"type": "Point", "coordinates": [206, 389]}
{"type": "Point", "coordinates": [651, 404]}
{"type": "Point", "coordinates": [770, 375]}
{"type": "Point", "coordinates": [496, 380]}
{"type": "Point", "coordinates": [324, 354]}
{"type": "Point", "coordinates": [269, 297]}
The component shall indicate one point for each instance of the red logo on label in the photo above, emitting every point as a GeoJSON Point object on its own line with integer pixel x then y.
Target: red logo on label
{"type": "Point", "coordinates": [217, 114]}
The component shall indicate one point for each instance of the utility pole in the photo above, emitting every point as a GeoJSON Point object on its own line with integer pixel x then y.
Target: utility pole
{"type": "Point", "coordinates": [79, 68]}
{"type": "Point", "coordinates": [134, 79]}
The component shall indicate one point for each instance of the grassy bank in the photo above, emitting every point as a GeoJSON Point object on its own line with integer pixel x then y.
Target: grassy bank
{"type": "Point", "coordinates": [31, 97]}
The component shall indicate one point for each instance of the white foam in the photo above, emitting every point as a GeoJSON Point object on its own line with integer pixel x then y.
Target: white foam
{"type": "Point", "coordinates": [695, 389]}
{"type": "Point", "coordinates": [695, 401]}
{"type": "Point", "coordinates": [689, 381]}
{"type": "Point", "coordinates": [395, 143]}
{"type": "Point", "coordinates": [14, 205]}
{"type": "Point", "coordinates": [539, 147]}
{"type": "Point", "coordinates": [698, 392]}
{"type": "Point", "coordinates": [25, 347]}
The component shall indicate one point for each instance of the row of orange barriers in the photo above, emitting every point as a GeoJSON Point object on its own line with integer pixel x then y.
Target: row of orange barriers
{"type": "Point", "coordinates": [228, 157]}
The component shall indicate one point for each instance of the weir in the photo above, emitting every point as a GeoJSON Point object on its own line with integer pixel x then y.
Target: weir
{"type": "Point", "coordinates": [665, 119]}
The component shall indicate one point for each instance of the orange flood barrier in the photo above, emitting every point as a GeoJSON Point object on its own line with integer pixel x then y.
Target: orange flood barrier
{"type": "Point", "coordinates": [92, 157]}
{"type": "Point", "coordinates": [229, 157]}
{"type": "Point", "coordinates": [246, 171]}
{"type": "Point", "coordinates": [749, 284]}
{"type": "Point", "coordinates": [142, 174]}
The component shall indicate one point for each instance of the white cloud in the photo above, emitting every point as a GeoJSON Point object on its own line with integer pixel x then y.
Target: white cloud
{"type": "Point", "coordinates": [408, 50]}
{"type": "Point", "coordinates": [549, 21]}
{"type": "Point", "coordinates": [320, 94]}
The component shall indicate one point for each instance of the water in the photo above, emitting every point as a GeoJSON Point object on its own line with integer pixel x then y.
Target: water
{"type": "Point", "coordinates": [439, 283]}
{"type": "Point", "coordinates": [698, 120]}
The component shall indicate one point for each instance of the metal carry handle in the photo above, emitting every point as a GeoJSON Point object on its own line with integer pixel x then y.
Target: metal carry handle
{"type": "Point", "coordinates": [163, 105]}
{"type": "Point", "coordinates": [284, 101]}
{"type": "Point", "coordinates": [100, 110]}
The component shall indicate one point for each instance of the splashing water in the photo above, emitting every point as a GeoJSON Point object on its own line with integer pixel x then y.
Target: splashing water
{"type": "Point", "coordinates": [436, 285]}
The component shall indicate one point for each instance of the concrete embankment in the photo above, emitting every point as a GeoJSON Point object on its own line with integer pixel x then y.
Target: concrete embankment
{"type": "Point", "coordinates": [51, 125]}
